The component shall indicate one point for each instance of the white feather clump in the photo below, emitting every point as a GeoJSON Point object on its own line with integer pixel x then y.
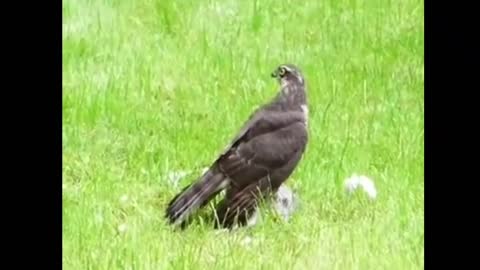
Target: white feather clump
{"type": "Point", "coordinates": [360, 181]}
{"type": "Point", "coordinates": [286, 202]}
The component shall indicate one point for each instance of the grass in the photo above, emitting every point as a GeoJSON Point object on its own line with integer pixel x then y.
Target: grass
{"type": "Point", "coordinates": [155, 86]}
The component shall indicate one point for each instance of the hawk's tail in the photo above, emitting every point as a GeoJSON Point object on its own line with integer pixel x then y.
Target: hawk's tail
{"type": "Point", "coordinates": [195, 196]}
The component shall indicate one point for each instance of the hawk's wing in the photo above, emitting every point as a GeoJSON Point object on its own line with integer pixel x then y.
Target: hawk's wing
{"type": "Point", "coordinates": [270, 142]}
{"type": "Point", "coordinates": [261, 122]}
{"type": "Point", "coordinates": [253, 117]}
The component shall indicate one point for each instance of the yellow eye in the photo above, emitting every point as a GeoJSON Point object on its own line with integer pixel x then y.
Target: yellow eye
{"type": "Point", "coordinates": [282, 71]}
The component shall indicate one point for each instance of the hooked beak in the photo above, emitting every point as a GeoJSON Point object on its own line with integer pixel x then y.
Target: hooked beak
{"type": "Point", "coordinates": [274, 74]}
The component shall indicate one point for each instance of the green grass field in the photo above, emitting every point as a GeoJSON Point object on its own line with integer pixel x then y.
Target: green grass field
{"type": "Point", "coordinates": [156, 86]}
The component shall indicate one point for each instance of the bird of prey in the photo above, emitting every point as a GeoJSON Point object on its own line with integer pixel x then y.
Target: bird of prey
{"type": "Point", "coordinates": [259, 159]}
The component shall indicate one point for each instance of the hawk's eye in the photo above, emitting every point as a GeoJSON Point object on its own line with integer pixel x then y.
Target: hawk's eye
{"type": "Point", "coordinates": [282, 71]}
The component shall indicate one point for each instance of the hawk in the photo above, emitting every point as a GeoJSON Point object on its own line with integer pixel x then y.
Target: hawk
{"type": "Point", "coordinates": [259, 159]}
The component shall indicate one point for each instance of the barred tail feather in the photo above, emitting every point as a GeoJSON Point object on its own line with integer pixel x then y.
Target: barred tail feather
{"type": "Point", "coordinates": [195, 196]}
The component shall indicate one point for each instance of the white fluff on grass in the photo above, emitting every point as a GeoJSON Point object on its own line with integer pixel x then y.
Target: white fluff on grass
{"type": "Point", "coordinates": [360, 181]}
{"type": "Point", "coordinates": [286, 202]}
{"type": "Point", "coordinates": [122, 228]}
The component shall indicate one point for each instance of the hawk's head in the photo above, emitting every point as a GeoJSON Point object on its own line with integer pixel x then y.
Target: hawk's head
{"type": "Point", "coordinates": [288, 73]}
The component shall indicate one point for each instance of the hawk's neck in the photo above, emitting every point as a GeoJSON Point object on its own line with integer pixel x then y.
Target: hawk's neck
{"type": "Point", "coordinates": [292, 96]}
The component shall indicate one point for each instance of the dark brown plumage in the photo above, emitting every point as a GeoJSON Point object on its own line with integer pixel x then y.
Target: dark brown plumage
{"type": "Point", "coordinates": [259, 159]}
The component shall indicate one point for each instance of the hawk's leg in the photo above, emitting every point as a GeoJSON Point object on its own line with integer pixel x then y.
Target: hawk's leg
{"type": "Point", "coordinates": [240, 206]}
